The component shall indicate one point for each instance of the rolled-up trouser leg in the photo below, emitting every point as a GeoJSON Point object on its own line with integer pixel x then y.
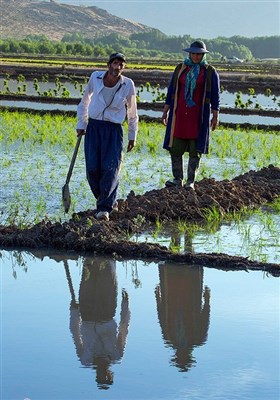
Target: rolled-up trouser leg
{"type": "Point", "coordinates": [103, 154]}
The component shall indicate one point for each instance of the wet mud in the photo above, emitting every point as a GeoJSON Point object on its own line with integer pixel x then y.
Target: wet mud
{"type": "Point", "coordinates": [138, 214]}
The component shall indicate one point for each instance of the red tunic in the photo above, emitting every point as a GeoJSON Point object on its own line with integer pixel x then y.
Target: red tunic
{"type": "Point", "coordinates": [187, 118]}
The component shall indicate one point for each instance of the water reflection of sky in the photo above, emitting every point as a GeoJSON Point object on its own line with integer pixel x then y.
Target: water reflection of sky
{"type": "Point", "coordinates": [227, 98]}
{"type": "Point", "coordinates": [224, 118]}
{"type": "Point", "coordinates": [181, 325]}
{"type": "Point", "coordinates": [250, 237]}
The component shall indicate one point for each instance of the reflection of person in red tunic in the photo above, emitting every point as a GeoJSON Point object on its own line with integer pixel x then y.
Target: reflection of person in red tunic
{"type": "Point", "coordinates": [193, 88]}
{"type": "Point", "coordinates": [182, 313]}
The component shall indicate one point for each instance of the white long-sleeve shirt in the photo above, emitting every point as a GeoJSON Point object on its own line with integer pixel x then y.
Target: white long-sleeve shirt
{"type": "Point", "coordinates": [93, 104]}
{"type": "Point", "coordinates": [99, 339]}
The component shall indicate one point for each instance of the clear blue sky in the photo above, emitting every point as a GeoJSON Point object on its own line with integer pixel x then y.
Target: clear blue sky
{"type": "Point", "coordinates": [198, 18]}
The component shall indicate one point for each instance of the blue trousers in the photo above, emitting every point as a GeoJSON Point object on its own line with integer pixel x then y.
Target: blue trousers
{"type": "Point", "coordinates": [103, 155]}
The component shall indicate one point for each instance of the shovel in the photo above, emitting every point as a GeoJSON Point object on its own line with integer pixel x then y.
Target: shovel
{"type": "Point", "coordinates": [66, 198]}
{"type": "Point", "coordinates": [71, 288]}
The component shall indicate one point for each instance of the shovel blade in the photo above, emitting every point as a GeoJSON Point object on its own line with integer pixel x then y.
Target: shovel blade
{"type": "Point", "coordinates": [66, 198]}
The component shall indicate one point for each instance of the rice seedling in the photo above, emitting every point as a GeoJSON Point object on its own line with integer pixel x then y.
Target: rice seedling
{"type": "Point", "coordinates": [158, 228]}
{"type": "Point", "coordinates": [276, 205]}
{"type": "Point", "coordinates": [212, 216]}
{"type": "Point", "coordinates": [174, 246]}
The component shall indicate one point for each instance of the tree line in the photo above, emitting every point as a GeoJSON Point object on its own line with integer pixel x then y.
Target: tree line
{"type": "Point", "coordinates": [152, 44]}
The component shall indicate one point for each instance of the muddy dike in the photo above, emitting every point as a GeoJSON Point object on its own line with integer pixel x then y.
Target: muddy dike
{"type": "Point", "coordinates": [138, 214]}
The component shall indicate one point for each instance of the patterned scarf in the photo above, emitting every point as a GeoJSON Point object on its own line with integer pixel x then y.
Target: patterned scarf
{"type": "Point", "coordinates": [191, 79]}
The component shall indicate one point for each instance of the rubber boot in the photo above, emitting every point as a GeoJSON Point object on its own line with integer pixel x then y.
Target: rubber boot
{"type": "Point", "coordinates": [193, 166]}
{"type": "Point", "coordinates": [177, 171]}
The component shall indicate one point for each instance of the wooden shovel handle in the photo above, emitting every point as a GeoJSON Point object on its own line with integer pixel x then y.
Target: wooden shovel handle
{"type": "Point", "coordinates": [73, 159]}
{"type": "Point", "coordinates": [69, 280]}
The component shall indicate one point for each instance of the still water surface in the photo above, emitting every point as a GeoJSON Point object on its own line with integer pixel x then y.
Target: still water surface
{"type": "Point", "coordinates": [95, 328]}
{"type": "Point", "coordinates": [223, 118]}
{"type": "Point", "coordinates": [227, 98]}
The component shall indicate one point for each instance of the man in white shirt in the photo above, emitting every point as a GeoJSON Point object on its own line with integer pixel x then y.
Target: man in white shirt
{"type": "Point", "coordinates": [109, 97]}
{"type": "Point", "coordinates": [99, 340]}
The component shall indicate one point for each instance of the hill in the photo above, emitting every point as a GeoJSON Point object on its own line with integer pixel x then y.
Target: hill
{"type": "Point", "coordinates": [20, 18]}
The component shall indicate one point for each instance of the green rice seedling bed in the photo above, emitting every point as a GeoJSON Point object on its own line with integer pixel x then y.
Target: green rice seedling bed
{"type": "Point", "coordinates": [37, 149]}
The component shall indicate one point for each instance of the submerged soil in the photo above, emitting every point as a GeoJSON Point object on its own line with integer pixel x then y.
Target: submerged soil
{"type": "Point", "coordinates": [139, 214]}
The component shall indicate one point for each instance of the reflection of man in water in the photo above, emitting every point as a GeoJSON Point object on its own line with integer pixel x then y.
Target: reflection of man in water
{"type": "Point", "coordinates": [183, 319]}
{"type": "Point", "coordinates": [98, 340]}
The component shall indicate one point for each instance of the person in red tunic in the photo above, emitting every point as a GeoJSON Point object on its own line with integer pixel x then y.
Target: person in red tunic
{"type": "Point", "coordinates": [193, 88]}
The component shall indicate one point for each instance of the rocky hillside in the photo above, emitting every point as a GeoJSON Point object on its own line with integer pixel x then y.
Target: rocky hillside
{"type": "Point", "coordinates": [20, 18]}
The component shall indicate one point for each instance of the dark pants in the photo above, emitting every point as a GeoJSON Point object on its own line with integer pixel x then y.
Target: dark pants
{"type": "Point", "coordinates": [103, 155]}
{"type": "Point", "coordinates": [181, 146]}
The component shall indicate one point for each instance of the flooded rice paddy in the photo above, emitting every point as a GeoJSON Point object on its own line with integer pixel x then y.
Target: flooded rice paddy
{"type": "Point", "coordinates": [36, 153]}
{"type": "Point", "coordinates": [82, 326]}
{"type": "Point", "coordinates": [146, 93]}
{"type": "Point", "coordinates": [224, 118]}
{"type": "Point", "coordinates": [88, 327]}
